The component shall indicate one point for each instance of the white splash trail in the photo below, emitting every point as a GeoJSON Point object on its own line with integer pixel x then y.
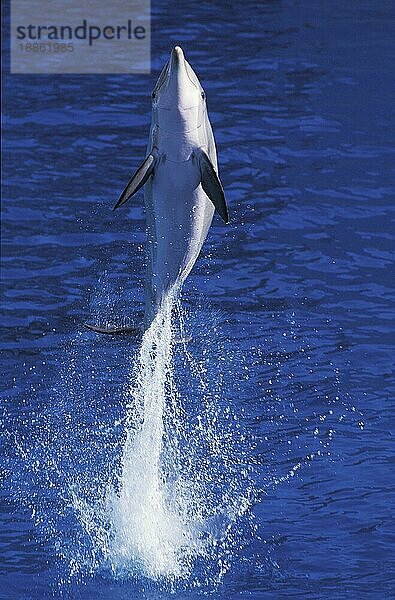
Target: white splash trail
{"type": "Point", "coordinates": [169, 509]}
{"type": "Point", "coordinates": [146, 530]}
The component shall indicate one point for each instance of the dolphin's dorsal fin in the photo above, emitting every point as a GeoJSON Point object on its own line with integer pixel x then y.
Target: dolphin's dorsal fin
{"type": "Point", "coordinates": [212, 185]}
{"type": "Point", "coordinates": [139, 178]}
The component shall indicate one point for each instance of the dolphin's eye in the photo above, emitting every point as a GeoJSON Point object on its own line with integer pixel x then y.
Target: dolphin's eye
{"type": "Point", "coordinates": [203, 95]}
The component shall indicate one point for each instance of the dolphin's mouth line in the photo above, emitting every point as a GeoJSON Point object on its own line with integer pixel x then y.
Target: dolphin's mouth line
{"type": "Point", "coordinates": [180, 109]}
{"type": "Point", "coordinates": [166, 74]}
{"type": "Point", "coordinates": [193, 83]}
{"type": "Point", "coordinates": [162, 78]}
{"type": "Point", "coordinates": [184, 66]}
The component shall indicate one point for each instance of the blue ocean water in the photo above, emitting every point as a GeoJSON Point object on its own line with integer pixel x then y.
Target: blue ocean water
{"type": "Point", "coordinates": [274, 423]}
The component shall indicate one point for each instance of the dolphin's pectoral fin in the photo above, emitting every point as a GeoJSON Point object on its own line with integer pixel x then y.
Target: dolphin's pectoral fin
{"type": "Point", "coordinates": [212, 185]}
{"type": "Point", "coordinates": [139, 178]}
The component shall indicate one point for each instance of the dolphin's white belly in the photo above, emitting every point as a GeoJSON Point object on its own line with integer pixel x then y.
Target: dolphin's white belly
{"type": "Point", "coordinates": [179, 215]}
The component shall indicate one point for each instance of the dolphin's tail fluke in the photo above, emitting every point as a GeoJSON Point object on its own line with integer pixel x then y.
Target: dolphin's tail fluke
{"type": "Point", "coordinates": [111, 330]}
{"type": "Point", "coordinates": [135, 331]}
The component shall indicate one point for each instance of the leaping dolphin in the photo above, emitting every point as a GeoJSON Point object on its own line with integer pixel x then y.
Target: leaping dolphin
{"type": "Point", "coordinates": [180, 174]}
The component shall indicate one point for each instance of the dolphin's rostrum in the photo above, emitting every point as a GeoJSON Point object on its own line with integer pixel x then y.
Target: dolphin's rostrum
{"type": "Point", "coordinates": [180, 174]}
